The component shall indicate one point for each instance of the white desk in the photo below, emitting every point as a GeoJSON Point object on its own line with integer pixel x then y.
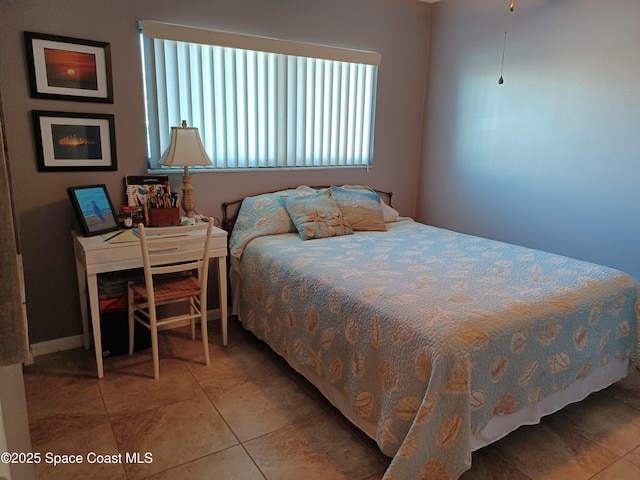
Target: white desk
{"type": "Point", "coordinates": [94, 256]}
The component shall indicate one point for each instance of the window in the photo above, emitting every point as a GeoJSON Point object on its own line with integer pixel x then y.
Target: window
{"type": "Point", "coordinates": [259, 102]}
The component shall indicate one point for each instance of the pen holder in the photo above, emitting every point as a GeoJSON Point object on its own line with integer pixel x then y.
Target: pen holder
{"type": "Point", "coordinates": [164, 217]}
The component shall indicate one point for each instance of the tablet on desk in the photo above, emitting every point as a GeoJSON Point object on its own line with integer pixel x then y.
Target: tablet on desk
{"type": "Point", "coordinates": [93, 209]}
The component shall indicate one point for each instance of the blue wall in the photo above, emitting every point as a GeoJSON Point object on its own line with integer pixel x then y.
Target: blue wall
{"type": "Point", "coordinates": [551, 158]}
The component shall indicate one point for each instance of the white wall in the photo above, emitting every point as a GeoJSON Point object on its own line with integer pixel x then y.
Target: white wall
{"type": "Point", "coordinates": [5, 473]}
{"type": "Point", "coordinates": [14, 423]}
{"type": "Point", "coordinates": [551, 158]}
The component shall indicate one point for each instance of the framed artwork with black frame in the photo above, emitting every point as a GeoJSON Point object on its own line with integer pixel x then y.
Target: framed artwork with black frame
{"type": "Point", "coordinates": [74, 141]}
{"type": "Point", "coordinates": [93, 208]}
{"type": "Point", "coordinates": [65, 68]}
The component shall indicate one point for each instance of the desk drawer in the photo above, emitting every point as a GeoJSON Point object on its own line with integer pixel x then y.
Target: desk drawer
{"type": "Point", "coordinates": [121, 256]}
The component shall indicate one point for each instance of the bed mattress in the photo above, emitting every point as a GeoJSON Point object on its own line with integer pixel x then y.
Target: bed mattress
{"type": "Point", "coordinates": [435, 342]}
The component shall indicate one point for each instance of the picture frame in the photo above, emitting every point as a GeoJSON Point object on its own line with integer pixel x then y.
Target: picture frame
{"type": "Point", "coordinates": [74, 141]}
{"type": "Point", "coordinates": [66, 68]}
{"type": "Point", "coordinates": [93, 208]}
{"type": "Point", "coordinates": [137, 188]}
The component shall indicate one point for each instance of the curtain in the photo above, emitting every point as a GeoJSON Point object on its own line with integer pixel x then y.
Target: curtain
{"type": "Point", "coordinates": [14, 346]}
{"type": "Point", "coordinates": [259, 102]}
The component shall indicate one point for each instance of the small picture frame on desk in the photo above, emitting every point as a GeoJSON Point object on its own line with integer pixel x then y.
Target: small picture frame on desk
{"type": "Point", "coordinates": [93, 209]}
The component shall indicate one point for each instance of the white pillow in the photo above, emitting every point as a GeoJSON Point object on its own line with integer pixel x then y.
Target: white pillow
{"type": "Point", "coordinates": [390, 213]}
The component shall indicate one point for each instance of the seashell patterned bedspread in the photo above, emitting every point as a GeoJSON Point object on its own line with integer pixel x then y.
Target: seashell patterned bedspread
{"type": "Point", "coordinates": [430, 333]}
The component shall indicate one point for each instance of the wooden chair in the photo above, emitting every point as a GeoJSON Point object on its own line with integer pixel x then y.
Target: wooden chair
{"type": "Point", "coordinates": [176, 269]}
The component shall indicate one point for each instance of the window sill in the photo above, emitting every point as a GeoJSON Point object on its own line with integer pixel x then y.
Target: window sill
{"type": "Point", "coordinates": [179, 170]}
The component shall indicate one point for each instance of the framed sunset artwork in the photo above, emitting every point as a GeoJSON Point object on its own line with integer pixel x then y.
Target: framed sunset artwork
{"type": "Point", "coordinates": [65, 68]}
{"type": "Point", "coordinates": [74, 141]}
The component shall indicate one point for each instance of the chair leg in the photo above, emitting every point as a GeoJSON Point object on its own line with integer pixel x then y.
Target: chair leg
{"type": "Point", "coordinates": [205, 333]}
{"type": "Point", "coordinates": [153, 328]}
{"type": "Point", "coordinates": [155, 354]}
{"type": "Point", "coordinates": [223, 325]}
{"type": "Point", "coordinates": [193, 321]}
{"type": "Point", "coordinates": [130, 319]}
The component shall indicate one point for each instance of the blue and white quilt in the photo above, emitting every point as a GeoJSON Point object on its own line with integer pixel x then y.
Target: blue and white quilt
{"type": "Point", "coordinates": [431, 333]}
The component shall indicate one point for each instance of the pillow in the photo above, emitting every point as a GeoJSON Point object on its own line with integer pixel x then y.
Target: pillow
{"type": "Point", "coordinates": [390, 213]}
{"type": "Point", "coordinates": [306, 190]}
{"type": "Point", "coordinates": [260, 215]}
{"type": "Point", "coordinates": [360, 207]}
{"type": "Point", "coordinates": [316, 216]}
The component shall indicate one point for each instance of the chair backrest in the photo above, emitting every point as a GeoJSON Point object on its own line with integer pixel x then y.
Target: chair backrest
{"type": "Point", "coordinates": [175, 249]}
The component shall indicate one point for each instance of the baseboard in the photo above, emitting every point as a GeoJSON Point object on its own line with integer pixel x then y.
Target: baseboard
{"type": "Point", "coordinates": [56, 345]}
{"type": "Point", "coordinates": [76, 341]}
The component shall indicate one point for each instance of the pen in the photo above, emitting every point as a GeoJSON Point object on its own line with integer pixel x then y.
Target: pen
{"type": "Point", "coordinates": [113, 236]}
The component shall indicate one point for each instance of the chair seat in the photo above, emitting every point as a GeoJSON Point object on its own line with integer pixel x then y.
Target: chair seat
{"type": "Point", "coordinates": [170, 289]}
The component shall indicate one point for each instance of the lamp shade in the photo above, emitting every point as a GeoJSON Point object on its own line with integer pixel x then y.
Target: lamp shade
{"type": "Point", "coordinates": [185, 149]}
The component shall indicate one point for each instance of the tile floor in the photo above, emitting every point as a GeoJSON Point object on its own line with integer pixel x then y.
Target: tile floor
{"type": "Point", "coordinates": [249, 416]}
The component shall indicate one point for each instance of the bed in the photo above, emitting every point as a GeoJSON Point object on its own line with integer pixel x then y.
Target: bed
{"type": "Point", "coordinates": [432, 342]}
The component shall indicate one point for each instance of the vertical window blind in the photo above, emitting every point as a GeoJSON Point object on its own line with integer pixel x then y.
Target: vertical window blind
{"type": "Point", "coordinates": [259, 102]}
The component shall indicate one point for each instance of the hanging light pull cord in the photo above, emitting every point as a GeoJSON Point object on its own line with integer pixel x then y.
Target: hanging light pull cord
{"type": "Point", "coordinates": [512, 4]}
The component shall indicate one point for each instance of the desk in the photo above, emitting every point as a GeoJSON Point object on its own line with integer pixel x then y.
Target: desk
{"type": "Point", "coordinates": [94, 256]}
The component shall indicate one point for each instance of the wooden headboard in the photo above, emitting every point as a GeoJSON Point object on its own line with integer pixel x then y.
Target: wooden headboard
{"type": "Point", "coordinates": [231, 209]}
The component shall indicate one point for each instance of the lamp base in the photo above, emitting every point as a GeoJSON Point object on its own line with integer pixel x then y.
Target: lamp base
{"type": "Point", "coordinates": [188, 203]}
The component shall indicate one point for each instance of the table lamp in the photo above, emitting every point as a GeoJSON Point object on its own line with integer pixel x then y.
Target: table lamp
{"type": "Point", "coordinates": [186, 150]}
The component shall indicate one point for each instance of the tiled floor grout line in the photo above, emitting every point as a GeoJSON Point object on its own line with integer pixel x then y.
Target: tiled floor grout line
{"type": "Point", "coordinates": [242, 443]}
